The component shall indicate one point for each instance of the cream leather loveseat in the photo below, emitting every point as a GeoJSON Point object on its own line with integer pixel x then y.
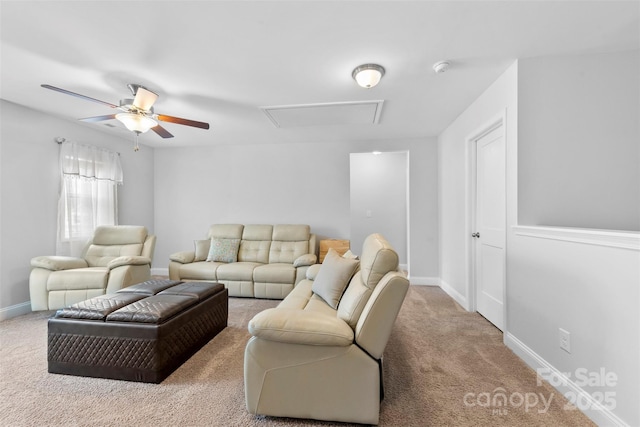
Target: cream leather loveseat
{"type": "Point", "coordinates": [319, 353]}
{"type": "Point", "coordinates": [261, 261]}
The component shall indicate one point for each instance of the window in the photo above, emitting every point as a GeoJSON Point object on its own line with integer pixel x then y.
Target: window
{"type": "Point", "coordinates": [88, 194]}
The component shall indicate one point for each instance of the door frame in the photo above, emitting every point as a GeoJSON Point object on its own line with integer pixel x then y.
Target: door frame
{"type": "Point", "coordinates": [495, 122]}
{"type": "Point", "coordinates": [407, 154]}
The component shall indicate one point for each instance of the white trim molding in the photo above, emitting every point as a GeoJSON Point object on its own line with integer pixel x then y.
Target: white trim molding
{"type": "Point", "coordinates": [424, 281]}
{"type": "Point", "coordinates": [562, 383]}
{"type": "Point", "coordinates": [15, 310]}
{"type": "Point", "coordinates": [160, 271]}
{"type": "Point", "coordinates": [457, 296]}
{"type": "Point", "coordinates": [611, 238]}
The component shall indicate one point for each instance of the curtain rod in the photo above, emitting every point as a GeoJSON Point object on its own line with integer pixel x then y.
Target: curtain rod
{"type": "Point", "coordinates": [59, 140]}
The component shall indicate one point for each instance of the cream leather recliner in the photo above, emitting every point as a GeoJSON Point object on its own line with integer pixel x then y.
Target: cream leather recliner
{"type": "Point", "coordinates": [117, 256]}
{"type": "Point", "coordinates": [306, 359]}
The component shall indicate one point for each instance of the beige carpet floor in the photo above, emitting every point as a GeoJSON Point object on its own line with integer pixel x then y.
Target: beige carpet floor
{"type": "Point", "coordinates": [443, 367]}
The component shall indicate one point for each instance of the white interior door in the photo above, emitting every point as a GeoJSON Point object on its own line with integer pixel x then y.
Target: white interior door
{"type": "Point", "coordinates": [490, 225]}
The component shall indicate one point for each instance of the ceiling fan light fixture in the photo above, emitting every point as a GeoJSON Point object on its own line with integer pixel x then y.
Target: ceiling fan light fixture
{"type": "Point", "coordinates": [368, 75]}
{"type": "Point", "coordinates": [138, 115]}
{"type": "Point", "coordinates": [136, 122]}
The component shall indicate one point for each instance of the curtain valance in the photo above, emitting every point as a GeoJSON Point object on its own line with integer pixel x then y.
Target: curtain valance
{"type": "Point", "coordinates": [91, 163]}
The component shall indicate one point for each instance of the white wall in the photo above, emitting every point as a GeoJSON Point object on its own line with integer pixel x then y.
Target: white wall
{"type": "Point", "coordinates": [455, 238]}
{"type": "Point", "coordinates": [284, 183]}
{"type": "Point", "coordinates": [378, 202]}
{"type": "Point", "coordinates": [587, 289]}
{"type": "Point", "coordinates": [177, 193]}
{"type": "Point", "coordinates": [29, 183]}
{"type": "Point", "coordinates": [591, 291]}
{"type": "Point", "coordinates": [579, 141]}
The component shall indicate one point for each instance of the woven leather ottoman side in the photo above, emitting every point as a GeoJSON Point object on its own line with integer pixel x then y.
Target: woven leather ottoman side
{"type": "Point", "coordinates": [136, 336]}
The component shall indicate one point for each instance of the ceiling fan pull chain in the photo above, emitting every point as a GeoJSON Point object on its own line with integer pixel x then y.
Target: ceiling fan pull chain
{"type": "Point", "coordinates": [136, 147]}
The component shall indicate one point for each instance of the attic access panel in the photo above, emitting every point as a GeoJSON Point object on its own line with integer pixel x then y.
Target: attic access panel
{"type": "Point", "coordinates": [326, 114]}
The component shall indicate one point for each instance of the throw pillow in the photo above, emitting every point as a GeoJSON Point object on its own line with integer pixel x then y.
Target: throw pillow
{"type": "Point", "coordinates": [223, 250]}
{"type": "Point", "coordinates": [201, 249]}
{"type": "Point", "coordinates": [349, 255]}
{"type": "Point", "coordinates": [333, 277]}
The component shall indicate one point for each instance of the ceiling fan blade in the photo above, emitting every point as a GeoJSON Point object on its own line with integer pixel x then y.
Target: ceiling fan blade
{"type": "Point", "coordinates": [144, 98]}
{"type": "Point", "coordinates": [161, 131]}
{"type": "Point", "coordinates": [88, 98]}
{"type": "Point", "coordinates": [98, 118]}
{"type": "Point", "coordinates": [186, 122]}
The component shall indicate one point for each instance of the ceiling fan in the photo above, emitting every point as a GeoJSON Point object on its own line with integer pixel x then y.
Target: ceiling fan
{"type": "Point", "coordinates": [137, 114]}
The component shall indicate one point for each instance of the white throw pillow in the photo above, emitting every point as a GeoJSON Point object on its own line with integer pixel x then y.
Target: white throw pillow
{"type": "Point", "coordinates": [333, 277]}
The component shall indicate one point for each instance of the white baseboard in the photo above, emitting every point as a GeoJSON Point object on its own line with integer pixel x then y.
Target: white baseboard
{"type": "Point", "coordinates": [15, 310]}
{"type": "Point", "coordinates": [160, 271]}
{"type": "Point", "coordinates": [425, 281]}
{"type": "Point", "coordinates": [457, 296]}
{"type": "Point", "coordinates": [599, 414]}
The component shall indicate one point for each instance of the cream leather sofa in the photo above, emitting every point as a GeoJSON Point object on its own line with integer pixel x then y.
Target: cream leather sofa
{"type": "Point", "coordinates": [117, 256]}
{"type": "Point", "coordinates": [271, 259]}
{"type": "Point", "coordinates": [306, 359]}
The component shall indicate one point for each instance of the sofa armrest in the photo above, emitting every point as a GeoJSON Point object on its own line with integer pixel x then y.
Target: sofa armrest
{"type": "Point", "coordinates": [184, 257]}
{"type": "Point", "coordinates": [379, 314]}
{"type": "Point", "coordinates": [55, 263]}
{"type": "Point", "coordinates": [305, 260]}
{"type": "Point", "coordinates": [312, 272]}
{"type": "Point", "coordinates": [128, 260]}
{"type": "Point", "coordinates": [295, 326]}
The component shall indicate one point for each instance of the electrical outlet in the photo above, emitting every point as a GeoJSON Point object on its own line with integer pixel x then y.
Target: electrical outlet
{"type": "Point", "coordinates": [565, 340]}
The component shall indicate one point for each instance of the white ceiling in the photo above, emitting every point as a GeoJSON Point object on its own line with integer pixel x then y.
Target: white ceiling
{"type": "Point", "coordinates": [220, 61]}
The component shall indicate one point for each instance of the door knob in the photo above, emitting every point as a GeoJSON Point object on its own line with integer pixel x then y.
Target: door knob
{"type": "Point", "coordinates": [476, 235]}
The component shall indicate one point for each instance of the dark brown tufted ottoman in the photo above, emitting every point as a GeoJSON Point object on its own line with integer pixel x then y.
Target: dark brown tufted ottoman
{"type": "Point", "coordinates": [140, 333]}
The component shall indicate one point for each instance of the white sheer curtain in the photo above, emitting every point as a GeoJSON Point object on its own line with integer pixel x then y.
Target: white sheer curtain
{"type": "Point", "coordinates": [88, 194]}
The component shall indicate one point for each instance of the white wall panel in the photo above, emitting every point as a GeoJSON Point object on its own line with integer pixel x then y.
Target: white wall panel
{"type": "Point", "coordinates": [579, 141]}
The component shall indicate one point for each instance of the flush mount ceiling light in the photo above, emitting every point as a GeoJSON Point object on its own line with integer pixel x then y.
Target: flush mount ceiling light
{"type": "Point", "coordinates": [368, 75]}
{"type": "Point", "coordinates": [137, 123]}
